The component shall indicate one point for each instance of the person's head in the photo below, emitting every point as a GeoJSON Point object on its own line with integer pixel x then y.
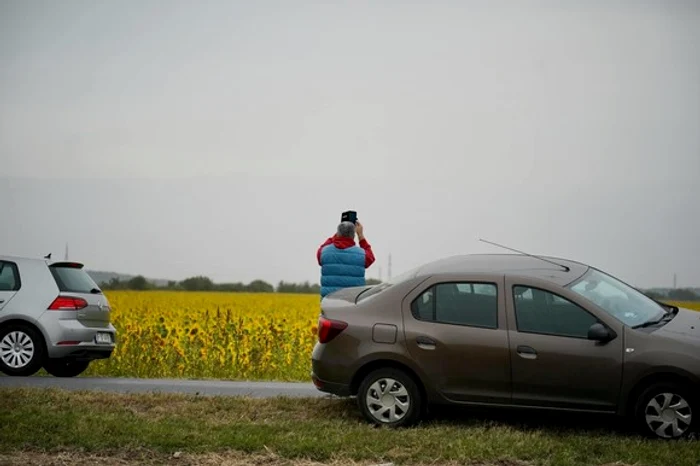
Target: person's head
{"type": "Point", "coordinates": [346, 230]}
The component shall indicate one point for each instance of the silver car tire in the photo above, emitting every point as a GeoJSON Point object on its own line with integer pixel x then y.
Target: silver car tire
{"type": "Point", "coordinates": [21, 350]}
{"type": "Point", "coordinates": [667, 411]}
{"type": "Point", "coordinates": [390, 397]}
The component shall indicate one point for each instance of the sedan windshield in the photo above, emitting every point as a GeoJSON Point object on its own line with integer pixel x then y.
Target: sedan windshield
{"type": "Point", "coordinates": [618, 299]}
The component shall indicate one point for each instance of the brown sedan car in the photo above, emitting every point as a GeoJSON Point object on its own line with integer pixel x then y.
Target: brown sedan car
{"type": "Point", "coordinates": [510, 331]}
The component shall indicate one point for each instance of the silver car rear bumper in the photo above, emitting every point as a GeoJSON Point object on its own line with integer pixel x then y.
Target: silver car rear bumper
{"type": "Point", "coordinates": [68, 337]}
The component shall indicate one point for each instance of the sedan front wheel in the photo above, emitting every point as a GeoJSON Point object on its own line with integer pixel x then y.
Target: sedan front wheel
{"type": "Point", "coordinates": [666, 411]}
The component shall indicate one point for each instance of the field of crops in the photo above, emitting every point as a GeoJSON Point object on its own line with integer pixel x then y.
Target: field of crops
{"type": "Point", "coordinates": [211, 335]}
{"type": "Point", "coordinates": [214, 335]}
{"type": "Point", "coordinates": [695, 305]}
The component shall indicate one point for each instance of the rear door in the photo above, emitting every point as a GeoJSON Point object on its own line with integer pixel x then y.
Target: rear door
{"type": "Point", "coordinates": [72, 280]}
{"type": "Point", "coordinates": [10, 282]}
{"type": "Point", "coordinates": [456, 333]}
{"type": "Point", "coordinates": [554, 364]}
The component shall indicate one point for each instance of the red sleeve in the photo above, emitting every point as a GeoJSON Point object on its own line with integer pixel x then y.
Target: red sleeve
{"type": "Point", "coordinates": [369, 255]}
{"type": "Point", "coordinates": [318, 252]}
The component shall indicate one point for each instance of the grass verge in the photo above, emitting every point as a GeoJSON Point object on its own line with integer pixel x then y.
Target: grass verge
{"type": "Point", "coordinates": [151, 428]}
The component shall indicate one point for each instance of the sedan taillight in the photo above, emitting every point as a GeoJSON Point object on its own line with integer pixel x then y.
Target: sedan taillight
{"type": "Point", "coordinates": [329, 329]}
{"type": "Point", "coordinates": [67, 303]}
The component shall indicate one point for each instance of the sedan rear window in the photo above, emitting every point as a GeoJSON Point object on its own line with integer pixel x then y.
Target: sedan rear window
{"type": "Point", "coordinates": [376, 289]}
{"type": "Point", "coordinates": [73, 279]}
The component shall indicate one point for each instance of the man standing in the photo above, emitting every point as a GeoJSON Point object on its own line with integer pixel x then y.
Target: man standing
{"type": "Point", "coordinates": [342, 262]}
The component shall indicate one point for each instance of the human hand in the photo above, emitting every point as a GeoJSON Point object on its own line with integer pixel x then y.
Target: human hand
{"type": "Point", "coordinates": [360, 230]}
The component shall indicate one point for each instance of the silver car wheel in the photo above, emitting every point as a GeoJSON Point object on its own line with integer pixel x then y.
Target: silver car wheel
{"type": "Point", "coordinates": [668, 412]}
{"type": "Point", "coordinates": [16, 349]}
{"type": "Point", "coordinates": [387, 400]}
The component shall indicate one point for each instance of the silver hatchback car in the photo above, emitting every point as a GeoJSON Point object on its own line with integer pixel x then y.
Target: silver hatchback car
{"type": "Point", "coordinates": [52, 315]}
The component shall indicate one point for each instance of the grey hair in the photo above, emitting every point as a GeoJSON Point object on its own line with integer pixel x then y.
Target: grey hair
{"type": "Point", "coordinates": [346, 230]}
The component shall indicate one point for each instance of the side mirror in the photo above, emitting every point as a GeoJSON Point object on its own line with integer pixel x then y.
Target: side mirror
{"type": "Point", "coordinates": [598, 332]}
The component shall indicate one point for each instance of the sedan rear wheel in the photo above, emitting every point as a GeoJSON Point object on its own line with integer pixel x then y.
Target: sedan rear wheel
{"type": "Point", "coordinates": [21, 350]}
{"type": "Point", "coordinates": [390, 397]}
{"type": "Point", "coordinates": [666, 411]}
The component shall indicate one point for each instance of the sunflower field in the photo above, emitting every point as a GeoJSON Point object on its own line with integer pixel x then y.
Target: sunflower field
{"type": "Point", "coordinates": [170, 334]}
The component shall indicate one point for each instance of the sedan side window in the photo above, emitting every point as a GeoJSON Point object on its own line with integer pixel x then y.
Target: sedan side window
{"type": "Point", "coordinates": [539, 311]}
{"type": "Point", "coordinates": [423, 307]}
{"type": "Point", "coordinates": [9, 276]}
{"type": "Point", "coordinates": [471, 304]}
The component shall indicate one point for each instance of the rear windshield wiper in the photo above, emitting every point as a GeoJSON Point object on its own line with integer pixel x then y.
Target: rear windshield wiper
{"type": "Point", "coordinates": [96, 291]}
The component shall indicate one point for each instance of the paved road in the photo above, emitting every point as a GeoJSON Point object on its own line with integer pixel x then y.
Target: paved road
{"type": "Point", "coordinates": [199, 387]}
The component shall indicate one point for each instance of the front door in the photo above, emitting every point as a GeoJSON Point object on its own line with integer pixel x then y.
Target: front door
{"type": "Point", "coordinates": [554, 364]}
{"type": "Point", "coordinates": [456, 333]}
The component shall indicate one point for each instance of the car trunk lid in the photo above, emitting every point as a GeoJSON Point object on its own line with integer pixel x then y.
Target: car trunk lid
{"type": "Point", "coordinates": [344, 298]}
{"type": "Point", "coordinates": [74, 282]}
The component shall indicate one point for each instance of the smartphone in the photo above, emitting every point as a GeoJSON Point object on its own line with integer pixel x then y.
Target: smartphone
{"type": "Point", "coordinates": [349, 216]}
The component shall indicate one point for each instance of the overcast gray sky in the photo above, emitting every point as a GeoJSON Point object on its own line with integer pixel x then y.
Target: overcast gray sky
{"type": "Point", "coordinates": [224, 138]}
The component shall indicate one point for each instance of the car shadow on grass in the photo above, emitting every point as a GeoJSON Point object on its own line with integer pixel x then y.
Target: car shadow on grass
{"type": "Point", "coordinates": [520, 419]}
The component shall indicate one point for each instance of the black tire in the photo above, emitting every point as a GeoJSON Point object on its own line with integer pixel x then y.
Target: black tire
{"type": "Point", "coordinates": [65, 367]}
{"type": "Point", "coordinates": [28, 337]}
{"type": "Point", "coordinates": [658, 393]}
{"type": "Point", "coordinates": [413, 397]}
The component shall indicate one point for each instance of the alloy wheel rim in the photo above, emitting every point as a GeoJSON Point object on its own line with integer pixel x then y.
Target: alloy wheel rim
{"type": "Point", "coordinates": [16, 349]}
{"type": "Point", "coordinates": [388, 400]}
{"type": "Point", "coordinates": [668, 415]}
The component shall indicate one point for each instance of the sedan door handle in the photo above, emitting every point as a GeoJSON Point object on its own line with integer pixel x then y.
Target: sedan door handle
{"type": "Point", "coordinates": [425, 343]}
{"type": "Point", "coordinates": [2, 301]}
{"type": "Point", "coordinates": [527, 352]}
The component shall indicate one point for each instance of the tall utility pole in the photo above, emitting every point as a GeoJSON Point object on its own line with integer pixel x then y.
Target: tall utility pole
{"type": "Point", "coordinates": [66, 254]}
{"type": "Point", "coordinates": [389, 266]}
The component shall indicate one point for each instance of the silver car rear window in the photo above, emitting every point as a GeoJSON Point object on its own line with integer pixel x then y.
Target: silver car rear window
{"type": "Point", "coordinates": [73, 280]}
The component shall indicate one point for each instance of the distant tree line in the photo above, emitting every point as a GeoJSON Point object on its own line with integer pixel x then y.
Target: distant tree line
{"type": "Point", "coordinates": [675, 294]}
{"type": "Point", "coordinates": [202, 283]}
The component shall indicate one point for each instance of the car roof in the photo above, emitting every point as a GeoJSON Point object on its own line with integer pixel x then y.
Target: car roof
{"type": "Point", "coordinates": [508, 264]}
{"type": "Point", "coordinates": [25, 259]}
{"type": "Point", "coordinates": [11, 258]}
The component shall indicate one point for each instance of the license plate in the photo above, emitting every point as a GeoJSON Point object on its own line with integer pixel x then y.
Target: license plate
{"type": "Point", "coordinates": [103, 338]}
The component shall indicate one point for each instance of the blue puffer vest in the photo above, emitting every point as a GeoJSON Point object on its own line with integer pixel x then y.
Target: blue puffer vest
{"type": "Point", "coordinates": [341, 268]}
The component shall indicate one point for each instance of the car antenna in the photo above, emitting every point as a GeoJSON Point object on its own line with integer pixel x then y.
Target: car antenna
{"type": "Point", "coordinates": [48, 256]}
{"type": "Point", "coordinates": [531, 255]}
